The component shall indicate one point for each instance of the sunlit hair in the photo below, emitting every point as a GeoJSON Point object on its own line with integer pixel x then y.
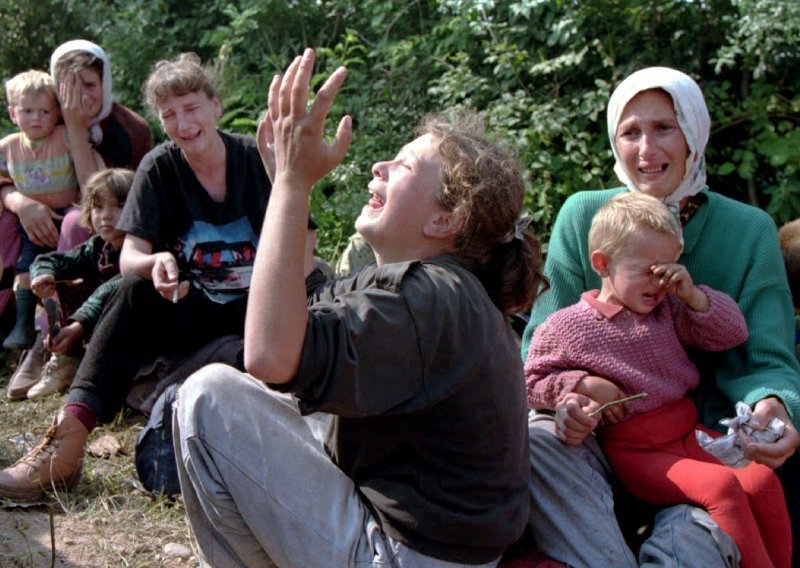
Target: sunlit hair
{"type": "Point", "coordinates": [29, 83]}
{"type": "Point", "coordinates": [789, 237]}
{"type": "Point", "coordinates": [483, 184]}
{"type": "Point", "coordinates": [627, 215]}
{"type": "Point", "coordinates": [111, 183]}
{"type": "Point", "coordinates": [176, 78]}
{"type": "Point", "coordinates": [75, 62]}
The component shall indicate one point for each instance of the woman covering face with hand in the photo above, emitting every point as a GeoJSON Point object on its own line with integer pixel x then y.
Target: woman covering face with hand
{"type": "Point", "coordinates": [413, 359]}
{"type": "Point", "coordinates": [101, 133]}
{"type": "Point", "coordinates": [658, 125]}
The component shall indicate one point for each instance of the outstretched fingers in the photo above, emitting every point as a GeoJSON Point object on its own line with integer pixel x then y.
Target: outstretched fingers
{"type": "Point", "coordinates": [284, 100]}
{"type": "Point", "coordinates": [344, 135]}
{"type": "Point", "coordinates": [322, 106]}
{"type": "Point", "coordinates": [265, 139]}
{"type": "Point", "coordinates": [301, 83]}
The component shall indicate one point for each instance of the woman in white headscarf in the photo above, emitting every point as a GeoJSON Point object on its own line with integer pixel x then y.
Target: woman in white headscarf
{"type": "Point", "coordinates": [94, 120]}
{"type": "Point", "coordinates": [102, 133]}
{"type": "Point", "coordinates": [658, 126]}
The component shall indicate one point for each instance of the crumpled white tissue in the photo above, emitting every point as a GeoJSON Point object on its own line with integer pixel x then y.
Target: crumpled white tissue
{"type": "Point", "coordinates": [728, 449]}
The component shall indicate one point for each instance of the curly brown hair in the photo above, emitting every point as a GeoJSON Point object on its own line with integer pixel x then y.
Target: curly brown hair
{"type": "Point", "coordinates": [176, 78]}
{"type": "Point", "coordinates": [483, 184]}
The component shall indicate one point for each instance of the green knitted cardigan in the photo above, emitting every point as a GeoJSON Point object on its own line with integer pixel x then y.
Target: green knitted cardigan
{"type": "Point", "coordinates": [740, 256]}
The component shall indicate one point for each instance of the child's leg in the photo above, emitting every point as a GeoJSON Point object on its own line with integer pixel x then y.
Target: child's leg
{"type": "Point", "coordinates": [665, 479]}
{"type": "Point", "coordinates": [767, 501]}
{"type": "Point", "coordinates": [24, 332]}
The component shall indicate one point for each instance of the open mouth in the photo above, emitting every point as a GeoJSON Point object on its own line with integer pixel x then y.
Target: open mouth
{"type": "Point", "coordinates": [375, 200]}
{"type": "Point", "coordinates": [650, 298]}
{"type": "Point", "coordinates": [654, 170]}
{"type": "Point", "coordinates": [190, 137]}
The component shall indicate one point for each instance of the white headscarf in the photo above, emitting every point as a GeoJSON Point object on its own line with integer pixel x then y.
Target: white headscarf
{"type": "Point", "coordinates": [95, 132]}
{"type": "Point", "coordinates": [692, 115]}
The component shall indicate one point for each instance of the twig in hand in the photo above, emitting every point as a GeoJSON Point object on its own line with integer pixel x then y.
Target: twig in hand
{"type": "Point", "coordinates": [72, 282]}
{"type": "Point", "coordinates": [615, 402]}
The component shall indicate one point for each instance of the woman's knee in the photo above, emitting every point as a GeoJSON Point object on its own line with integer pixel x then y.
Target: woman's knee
{"type": "Point", "coordinates": [215, 383]}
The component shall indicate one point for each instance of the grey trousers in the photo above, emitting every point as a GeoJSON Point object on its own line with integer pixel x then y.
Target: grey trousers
{"type": "Point", "coordinates": [259, 488]}
{"type": "Point", "coordinates": [572, 513]}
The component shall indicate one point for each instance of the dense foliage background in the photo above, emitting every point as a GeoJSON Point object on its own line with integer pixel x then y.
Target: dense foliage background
{"type": "Point", "coordinates": [540, 71]}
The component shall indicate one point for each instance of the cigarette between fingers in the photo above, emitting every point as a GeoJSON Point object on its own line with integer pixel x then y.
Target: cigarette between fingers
{"type": "Point", "coordinates": [175, 296]}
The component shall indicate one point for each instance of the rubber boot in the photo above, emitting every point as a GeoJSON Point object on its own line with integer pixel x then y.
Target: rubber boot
{"type": "Point", "coordinates": [54, 464]}
{"type": "Point", "coordinates": [24, 332]}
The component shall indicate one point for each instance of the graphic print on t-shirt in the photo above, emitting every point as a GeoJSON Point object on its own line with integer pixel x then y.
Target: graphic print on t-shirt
{"type": "Point", "coordinates": [219, 258]}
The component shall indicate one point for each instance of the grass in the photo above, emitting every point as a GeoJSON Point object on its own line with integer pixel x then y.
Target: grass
{"type": "Point", "coordinates": [106, 520]}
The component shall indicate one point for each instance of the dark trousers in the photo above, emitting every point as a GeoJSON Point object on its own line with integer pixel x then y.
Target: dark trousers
{"type": "Point", "coordinates": [136, 325]}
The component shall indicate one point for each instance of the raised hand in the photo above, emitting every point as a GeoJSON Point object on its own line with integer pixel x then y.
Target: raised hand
{"type": "Point", "coordinates": [295, 142]}
{"type": "Point", "coordinates": [675, 278]}
{"type": "Point", "coordinates": [75, 107]}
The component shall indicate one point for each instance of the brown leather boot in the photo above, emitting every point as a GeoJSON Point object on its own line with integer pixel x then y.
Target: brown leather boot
{"type": "Point", "coordinates": [29, 370]}
{"type": "Point", "coordinates": [54, 464]}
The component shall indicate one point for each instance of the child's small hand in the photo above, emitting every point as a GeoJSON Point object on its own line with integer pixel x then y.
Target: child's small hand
{"type": "Point", "coordinates": [65, 338]}
{"type": "Point", "coordinates": [602, 391]}
{"type": "Point", "coordinates": [44, 286]}
{"type": "Point", "coordinates": [675, 278]}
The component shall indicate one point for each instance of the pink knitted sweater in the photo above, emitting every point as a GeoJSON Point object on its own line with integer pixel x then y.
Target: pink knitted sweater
{"type": "Point", "coordinates": [639, 353]}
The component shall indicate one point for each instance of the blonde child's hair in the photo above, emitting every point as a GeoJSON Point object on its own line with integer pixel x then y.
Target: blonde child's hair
{"type": "Point", "coordinates": [29, 83]}
{"type": "Point", "coordinates": [789, 237]}
{"type": "Point", "coordinates": [179, 77]}
{"type": "Point", "coordinates": [111, 182]}
{"type": "Point", "coordinates": [626, 215]}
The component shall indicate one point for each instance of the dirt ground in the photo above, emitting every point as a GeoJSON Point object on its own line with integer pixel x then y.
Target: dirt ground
{"type": "Point", "coordinates": [107, 520]}
{"type": "Point", "coordinates": [25, 541]}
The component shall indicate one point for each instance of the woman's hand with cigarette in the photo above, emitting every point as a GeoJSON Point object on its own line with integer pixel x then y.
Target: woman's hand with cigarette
{"type": "Point", "coordinates": [165, 276]}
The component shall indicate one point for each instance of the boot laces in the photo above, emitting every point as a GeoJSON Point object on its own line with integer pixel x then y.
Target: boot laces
{"type": "Point", "coordinates": [46, 447]}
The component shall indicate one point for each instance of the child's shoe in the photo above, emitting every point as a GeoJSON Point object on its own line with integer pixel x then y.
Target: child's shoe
{"type": "Point", "coordinates": [56, 377]}
{"type": "Point", "coordinates": [24, 332]}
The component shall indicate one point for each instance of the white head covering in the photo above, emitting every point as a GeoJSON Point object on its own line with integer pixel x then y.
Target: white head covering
{"type": "Point", "coordinates": [95, 133]}
{"type": "Point", "coordinates": [692, 115]}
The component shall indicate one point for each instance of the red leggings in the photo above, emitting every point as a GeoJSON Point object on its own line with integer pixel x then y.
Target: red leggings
{"type": "Point", "coordinates": [657, 458]}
